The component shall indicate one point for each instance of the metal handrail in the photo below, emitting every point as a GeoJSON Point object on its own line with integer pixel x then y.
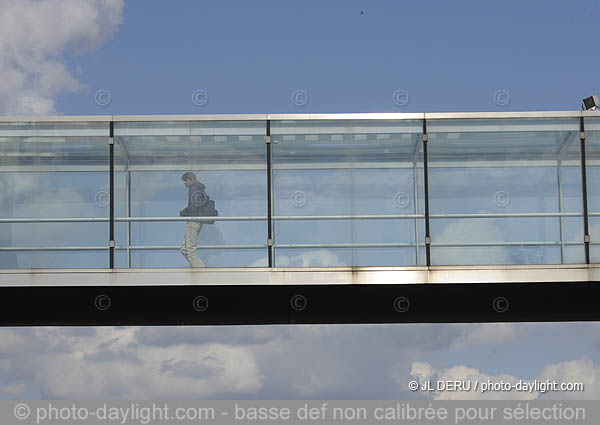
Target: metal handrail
{"type": "Point", "coordinates": [294, 217]}
{"type": "Point", "coordinates": [316, 117]}
{"type": "Point", "coordinates": [302, 246]}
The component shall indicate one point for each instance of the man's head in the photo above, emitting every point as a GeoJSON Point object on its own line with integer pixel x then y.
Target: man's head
{"type": "Point", "coordinates": [188, 178]}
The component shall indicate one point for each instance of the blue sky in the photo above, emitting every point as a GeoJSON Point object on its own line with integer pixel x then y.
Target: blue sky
{"type": "Point", "coordinates": [250, 57]}
{"type": "Point", "coordinates": [349, 56]}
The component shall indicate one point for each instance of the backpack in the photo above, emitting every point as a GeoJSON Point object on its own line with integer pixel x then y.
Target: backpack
{"type": "Point", "coordinates": [208, 209]}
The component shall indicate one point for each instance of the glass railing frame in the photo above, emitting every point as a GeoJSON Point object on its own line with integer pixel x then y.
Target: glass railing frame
{"type": "Point", "coordinates": [271, 218]}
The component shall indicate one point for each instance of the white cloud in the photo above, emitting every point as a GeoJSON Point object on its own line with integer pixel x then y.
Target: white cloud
{"type": "Point", "coordinates": [240, 335]}
{"type": "Point", "coordinates": [491, 333]}
{"type": "Point", "coordinates": [147, 186]}
{"type": "Point", "coordinates": [34, 38]}
{"type": "Point", "coordinates": [470, 231]}
{"type": "Point", "coordinates": [574, 371]}
{"type": "Point", "coordinates": [265, 362]}
{"type": "Point", "coordinates": [315, 258]}
{"type": "Point", "coordinates": [469, 378]}
{"type": "Point", "coordinates": [346, 191]}
{"type": "Point", "coordinates": [213, 362]}
{"type": "Point", "coordinates": [110, 363]}
{"type": "Point", "coordinates": [422, 371]}
{"type": "Point", "coordinates": [32, 195]}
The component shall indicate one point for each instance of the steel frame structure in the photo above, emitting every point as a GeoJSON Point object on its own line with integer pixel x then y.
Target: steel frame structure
{"type": "Point", "coordinates": [271, 218]}
{"type": "Point", "coordinates": [304, 295]}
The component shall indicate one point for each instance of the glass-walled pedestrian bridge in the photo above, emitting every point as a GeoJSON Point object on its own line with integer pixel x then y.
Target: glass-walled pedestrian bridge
{"type": "Point", "coordinates": [354, 198]}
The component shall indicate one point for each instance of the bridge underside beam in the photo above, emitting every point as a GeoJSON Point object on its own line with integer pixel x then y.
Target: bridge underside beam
{"type": "Point", "coordinates": [298, 304]}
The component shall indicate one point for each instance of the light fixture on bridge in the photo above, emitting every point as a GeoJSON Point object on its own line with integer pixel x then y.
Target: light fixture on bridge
{"type": "Point", "coordinates": [590, 103]}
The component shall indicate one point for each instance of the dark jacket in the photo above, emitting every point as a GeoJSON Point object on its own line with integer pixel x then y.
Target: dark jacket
{"type": "Point", "coordinates": [196, 200]}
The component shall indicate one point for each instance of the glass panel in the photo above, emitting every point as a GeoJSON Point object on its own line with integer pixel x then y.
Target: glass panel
{"type": "Point", "coordinates": [229, 161]}
{"type": "Point", "coordinates": [505, 191]}
{"type": "Point", "coordinates": [592, 147]}
{"type": "Point", "coordinates": [346, 193]}
{"type": "Point", "coordinates": [212, 257]}
{"type": "Point", "coordinates": [333, 179]}
{"type": "Point", "coordinates": [54, 171]}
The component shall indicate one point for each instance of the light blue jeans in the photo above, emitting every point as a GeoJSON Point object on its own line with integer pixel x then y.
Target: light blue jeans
{"type": "Point", "coordinates": [189, 247]}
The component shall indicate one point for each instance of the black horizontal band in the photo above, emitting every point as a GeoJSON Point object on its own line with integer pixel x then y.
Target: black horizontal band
{"type": "Point", "coordinates": [296, 304]}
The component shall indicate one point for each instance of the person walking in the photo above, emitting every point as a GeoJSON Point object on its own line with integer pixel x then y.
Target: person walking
{"type": "Point", "coordinates": [197, 198]}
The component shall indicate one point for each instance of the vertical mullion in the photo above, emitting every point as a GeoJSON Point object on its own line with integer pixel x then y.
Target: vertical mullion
{"type": "Point", "coordinates": [586, 235]}
{"type": "Point", "coordinates": [560, 210]}
{"type": "Point", "coordinates": [128, 182]}
{"type": "Point", "coordinates": [425, 139]}
{"type": "Point", "coordinates": [416, 206]}
{"type": "Point", "coordinates": [270, 240]}
{"type": "Point", "coordinates": [111, 242]}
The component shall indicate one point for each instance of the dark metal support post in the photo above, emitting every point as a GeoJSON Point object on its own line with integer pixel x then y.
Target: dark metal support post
{"type": "Point", "coordinates": [129, 239]}
{"type": "Point", "coordinates": [586, 232]}
{"type": "Point", "coordinates": [270, 238]}
{"type": "Point", "coordinates": [111, 242]}
{"type": "Point", "coordinates": [426, 183]}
